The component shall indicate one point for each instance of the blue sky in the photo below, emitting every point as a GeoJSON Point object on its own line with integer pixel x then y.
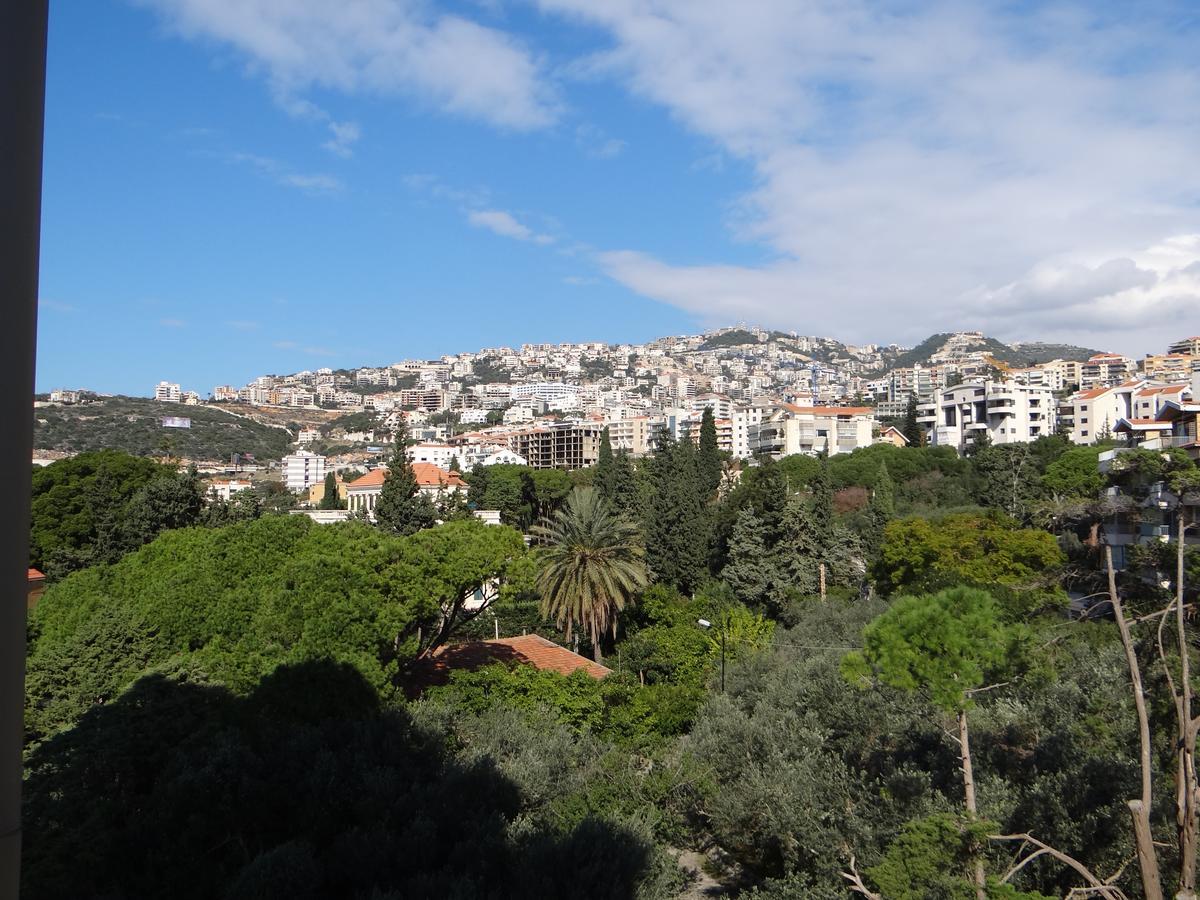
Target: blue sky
{"type": "Point", "coordinates": [235, 187]}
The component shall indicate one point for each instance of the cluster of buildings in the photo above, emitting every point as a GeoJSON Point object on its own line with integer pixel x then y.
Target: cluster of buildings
{"type": "Point", "coordinates": [547, 405]}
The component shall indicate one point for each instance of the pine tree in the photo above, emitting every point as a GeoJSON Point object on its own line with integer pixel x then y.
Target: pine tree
{"type": "Point", "coordinates": [751, 572]}
{"type": "Point", "coordinates": [454, 466]}
{"type": "Point", "coordinates": [401, 507]}
{"type": "Point", "coordinates": [708, 457]}
{"type": "Point", "coordinates": [677, 526]}
{"type": "Point", "coordinates": [330, 500]}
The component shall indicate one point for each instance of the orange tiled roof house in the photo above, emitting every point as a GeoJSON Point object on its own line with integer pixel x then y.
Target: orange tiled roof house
{"type": "Point", "coordinates": [363, 493]}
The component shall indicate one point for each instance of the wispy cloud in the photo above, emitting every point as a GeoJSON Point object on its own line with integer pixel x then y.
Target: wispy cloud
{"type": "Point", "coordinates": [284, 175]}
{"type": "Point", "coordinates": [345, 136]}
{"type": "Point", "coordinates": [596, 143]}
{"type": "Point", "coordinates": [579, 280]}
{"type": "Point", "coordinates": [243, 325]}
{"type": "Point", "coordinates": [172, 323]}
{"type": "Point", "coordinates": [284, 345]}
{"type": "Point", "coordinates": [56, 305]}
{"type": "Point", "coordinates": [505, 224]}
{"type": "Point", "coordinates": [381, 47]}
{"type": "Point", "coordinates": [910, 158]}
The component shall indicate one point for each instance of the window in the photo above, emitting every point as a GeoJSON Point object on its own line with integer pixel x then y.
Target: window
{"type": "Point", "coordinates": [1084, 433]}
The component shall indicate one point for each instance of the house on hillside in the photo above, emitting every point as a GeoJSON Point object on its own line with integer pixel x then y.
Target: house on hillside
{"type": "Point", "coordinates": [525, 650]}
{"type": "Point", "coordinates": [363, 494]}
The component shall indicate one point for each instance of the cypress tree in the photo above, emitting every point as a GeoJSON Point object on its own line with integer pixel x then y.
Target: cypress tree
{"type": "Point", "coordinates": [401, 507]}
{"type": "Point", "coordinates": [911, 430]}
{"type": "Point", "coordinates": [708, 457]}
{"type": "Point", "coordinates": [882, 507]}
{"type": "Point", "coordinates": [605, 468]}
{"type": "Point", "coordinates": [676, 522]}
{"type": "Point", "coordinates": [330, 500]}
{"type": "Point", "coordinates": [822, 503]}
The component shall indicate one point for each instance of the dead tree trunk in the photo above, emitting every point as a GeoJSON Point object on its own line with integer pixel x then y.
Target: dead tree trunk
{"type": "Point", "coordinates": [1139, 809]}
{"type": "Point", "coordinates": [964, 742]}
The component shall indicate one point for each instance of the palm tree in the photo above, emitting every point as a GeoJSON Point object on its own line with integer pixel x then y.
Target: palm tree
{"type": "Point", "coordinates": [591, 565]}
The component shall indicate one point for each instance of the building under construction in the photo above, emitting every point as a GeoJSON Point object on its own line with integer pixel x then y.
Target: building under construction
{"type": "Point", "coordinates": [562, 445]}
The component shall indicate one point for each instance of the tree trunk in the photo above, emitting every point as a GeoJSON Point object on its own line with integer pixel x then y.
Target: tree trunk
{"type": "Point", "coordinates": [964, 742]}
{"type": "Point", "coordinates": [1139, 809]}
{"type": "Point", "coordinates": [1186, 790]}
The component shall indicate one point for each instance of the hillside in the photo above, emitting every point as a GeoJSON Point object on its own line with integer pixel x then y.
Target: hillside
{"type": "Point", "coordinates": [1015, 355]}
{"type": "Point", "coordinates": [1034, 352]}
{"type": "Point", "coordinates": [735, 338]}
{"type": "Point", "coordinates": [134, 424]}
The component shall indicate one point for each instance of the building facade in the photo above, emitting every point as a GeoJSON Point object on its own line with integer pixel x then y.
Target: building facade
{"type": "Point", "coordinates": [303, 469]}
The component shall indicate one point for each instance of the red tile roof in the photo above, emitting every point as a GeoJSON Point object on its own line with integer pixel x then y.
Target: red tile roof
{"type": "Point", "coordinates": [427, 475]}
{"type": "Point", "coordinates": [374, 478]}
{"type": "Point", "coordinates": [35, 575]}
{"type": "Point", "coordinates": [529, 650]}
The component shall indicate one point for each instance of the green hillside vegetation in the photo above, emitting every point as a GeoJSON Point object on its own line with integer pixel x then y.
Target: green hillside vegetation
{"type": "Point", "coordinates": [1029, 354]}
{"type": "Point", "coordinates": [134, 425]}
{"type": "Point", "coordinates": [1035, 352]}
{"type": "Point", "coordinates": [735, 338]}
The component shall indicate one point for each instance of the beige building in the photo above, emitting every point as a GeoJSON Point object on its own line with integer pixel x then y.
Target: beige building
{"type": "Point", "coordinates": [637, 435]}
{"type": "Point", "coordinates": [812, 430]}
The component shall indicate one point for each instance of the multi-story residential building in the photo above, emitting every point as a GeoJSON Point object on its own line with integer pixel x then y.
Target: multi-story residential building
{"type": "Point", "coordinates": [811, 430]}
{"type": "Point", "coordinates": [1188, 347]}
{"type": "Point", "coordinates": [167, 392]}
{"type": "Point", "coordinates": [440, 455]}
{"type": "Point", "coordinates": [562, 445]}
{"type": "Point", "coordinates": [303, 469]}
{"type": "Point", "coordinates": [690, 431]}
{"type": "Point", "coordinates": [1106, 369]}
{"type": "Point", "coordinates": [721, 406]}
{"type": "Point", "coordinates": [1094, 414]}
{"type": "Point", "coordinates": [546, 392]}
{"type": "Point", "coordinates": [1008, 412]}
{"type": "Point", "coordinates": [225, 393]}
{"type": "Point", "coordinates": [64, 396]}
{"type": "Point", "coordinates": [637, 435]}
{"type": "Point", "coordinates": [742, 421]}
{"type": "Point", "coordinates": [1169, 366]}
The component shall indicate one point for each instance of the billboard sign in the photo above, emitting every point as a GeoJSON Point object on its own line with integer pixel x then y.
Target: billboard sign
{"type": "Point", "coordinates": [176, 422]}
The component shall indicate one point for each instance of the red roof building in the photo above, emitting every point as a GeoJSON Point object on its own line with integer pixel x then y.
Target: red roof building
{"type": "Point", "coordinates": [526, 650]}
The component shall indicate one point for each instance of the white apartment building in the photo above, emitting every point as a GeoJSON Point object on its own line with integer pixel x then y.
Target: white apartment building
{"type": "Point", "coordinates": [167, 392]}
{"type": "Point", "coordinates": [439, 455]}
{"type": "Point", "coordinates": [1006, 411]}
{"type": "Point", "coordinates": [742, 420]}
{"type": "Point", "coordinates": [225, 488]}
{"type": "Point", "coordinates": [225, 393]}
{"type": "Point", "coordinates": [303, 469]}
{"type": "Point", "coordinates": [307, 436]}
{"type": "Point", "coordinates": [791, 429]}
{"type": "Point", "coordinates": [546, 392]}
{"type": "Point", "coordinates": [1093, 414]}
{"type": "Point", "coordinates": [721, 405]}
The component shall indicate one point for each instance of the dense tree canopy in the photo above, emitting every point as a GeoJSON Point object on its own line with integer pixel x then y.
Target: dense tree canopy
{"type": "Point", "coordinates": [241, 600]}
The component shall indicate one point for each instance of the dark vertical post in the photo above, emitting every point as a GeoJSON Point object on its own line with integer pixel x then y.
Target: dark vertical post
{"type": "Point", "coordinates": [22, 106]}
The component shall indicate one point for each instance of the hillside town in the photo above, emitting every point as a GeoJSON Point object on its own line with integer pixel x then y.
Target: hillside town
{"type": "Point", "coordinates": [776, 394]}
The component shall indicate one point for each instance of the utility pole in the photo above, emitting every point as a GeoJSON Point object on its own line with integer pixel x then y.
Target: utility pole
{"type": "Point", "coordinates": [22, 109]}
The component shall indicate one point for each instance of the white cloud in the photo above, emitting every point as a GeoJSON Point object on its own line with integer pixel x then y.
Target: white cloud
{"type": "Point", "coordinates": [910, 160]}
{"type": "Point", "coordinates": [172, 323]}
{"type": "Point", "coordinates": [345, 135]}
{"type": "Point", "coordinates": [505, 225]}
{"type": "Point", "coordinates": [283, 175]}
{"type": "Point", "coordinates": [385, 47]}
